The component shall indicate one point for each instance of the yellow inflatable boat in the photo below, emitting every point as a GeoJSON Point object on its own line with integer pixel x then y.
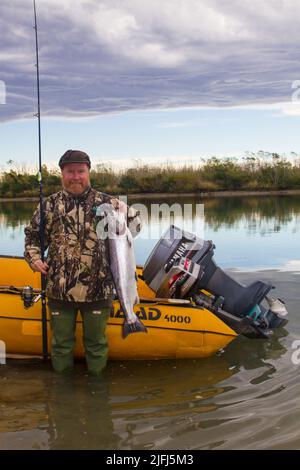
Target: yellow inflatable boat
{"type": "Point", "coordinates": [176, 328]}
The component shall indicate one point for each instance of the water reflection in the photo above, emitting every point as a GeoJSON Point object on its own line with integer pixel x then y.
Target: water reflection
{"type": "Point", "coordinates": [245, 354]}
{"type": "Point", "coordinates": [245, 397]}
{"type": "Point", "coordinates": [169, 404]}
{"type": "Point", "coordinates": [166, 387]}
{"type": "Point", "coordinates": [23, 412]}
{"type": "Point", "coordinates": [42, 410]}
{"type": "Point", "coordinates": [14, 214]}
{"type": "Point", "coordinates": [259, 214]}
{"type": "Point", "coordinates": [158, 404]}
{"type": "Point", "coordinates": [219, 212]}
{"type": "Point", "coordinates": [79, 413]}
{"type": "Point", "coordinates": [249, 232]}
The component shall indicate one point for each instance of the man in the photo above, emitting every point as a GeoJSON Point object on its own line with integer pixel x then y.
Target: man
{"type": "Point", "coordinates": [77, 263]}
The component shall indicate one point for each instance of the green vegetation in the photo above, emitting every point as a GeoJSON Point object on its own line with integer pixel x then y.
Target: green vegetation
{"type": "Point", "coordinates": [20, 183]}
{"type": "Point", "coordinates": [251, 174]}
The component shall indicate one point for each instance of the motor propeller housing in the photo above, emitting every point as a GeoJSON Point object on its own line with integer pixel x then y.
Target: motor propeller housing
{"type": "Point", "coordinates": [181, 265]}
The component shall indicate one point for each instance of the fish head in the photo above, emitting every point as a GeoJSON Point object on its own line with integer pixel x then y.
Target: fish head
{"type": "Point", "coordinates": [110, 223]}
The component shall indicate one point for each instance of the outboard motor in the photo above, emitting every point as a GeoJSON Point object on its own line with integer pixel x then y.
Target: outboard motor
{"type": "Point", "coordinates": [181, 265]}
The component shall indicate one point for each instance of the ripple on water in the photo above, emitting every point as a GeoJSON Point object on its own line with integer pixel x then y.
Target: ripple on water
{"type": "Point", "coordinates": [244, 398]}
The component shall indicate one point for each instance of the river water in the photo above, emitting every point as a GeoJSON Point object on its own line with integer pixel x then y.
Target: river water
{"type": "Point", "coordinates": [245, 397]}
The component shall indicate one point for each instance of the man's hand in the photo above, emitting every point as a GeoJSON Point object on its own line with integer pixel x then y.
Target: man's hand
{"type": "Point", "coordinates": [40, 266]}
{"type": "Point", "coordinates": [122, 207]}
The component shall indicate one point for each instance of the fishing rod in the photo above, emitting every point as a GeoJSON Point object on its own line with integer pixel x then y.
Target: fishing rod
{"type": "Point", "coordinates": [40, 179]}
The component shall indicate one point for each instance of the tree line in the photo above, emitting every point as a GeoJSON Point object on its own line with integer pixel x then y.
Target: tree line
{"type": "Point", "coordinates": [215, 174]}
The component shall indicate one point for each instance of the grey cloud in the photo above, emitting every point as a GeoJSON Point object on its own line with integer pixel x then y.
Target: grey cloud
{"type": "Point", "coordinates": [102, 56]}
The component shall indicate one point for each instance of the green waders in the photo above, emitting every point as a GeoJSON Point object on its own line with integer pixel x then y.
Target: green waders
{"type": "Point", "coordinates": [63, 324]}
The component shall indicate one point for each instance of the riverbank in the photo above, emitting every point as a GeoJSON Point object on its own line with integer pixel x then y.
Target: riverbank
{"type": "Point", "coordinates": [206, 194]}
{"type": "Point", "coordinates": [213, 178]}
{"type": "Point", "coordinates": [211, 194]}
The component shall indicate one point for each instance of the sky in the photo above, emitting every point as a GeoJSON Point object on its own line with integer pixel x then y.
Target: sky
{"type": "Point", "coordinates": [154, 80]}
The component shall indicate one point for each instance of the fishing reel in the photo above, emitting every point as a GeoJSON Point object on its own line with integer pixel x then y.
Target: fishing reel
{"type": "Point", "coordinates": [29, 297]}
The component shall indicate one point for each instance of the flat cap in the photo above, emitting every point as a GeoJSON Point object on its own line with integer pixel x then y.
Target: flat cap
{"type": "Point", "coordinates": [74, 156]}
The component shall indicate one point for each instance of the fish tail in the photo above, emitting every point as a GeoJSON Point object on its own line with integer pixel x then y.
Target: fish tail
{"type": "Point", "coordinates": [135, 327]}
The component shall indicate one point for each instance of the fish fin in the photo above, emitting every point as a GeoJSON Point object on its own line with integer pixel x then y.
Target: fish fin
{"type": "Point", "coordinates": [129, 240]}
{"type": "Point", "coordinates": [135, 327]}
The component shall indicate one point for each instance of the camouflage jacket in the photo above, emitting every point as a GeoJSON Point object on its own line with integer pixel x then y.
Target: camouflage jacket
{"type": "Point", "coordinates": [78, 261]}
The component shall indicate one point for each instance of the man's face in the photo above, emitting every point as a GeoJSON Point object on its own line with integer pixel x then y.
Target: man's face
{"type": "Point", "coordinates": [75, 177]}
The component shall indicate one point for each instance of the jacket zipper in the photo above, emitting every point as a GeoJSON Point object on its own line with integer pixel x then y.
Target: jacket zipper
{"type": "Point", "coordinates": [78, 229]}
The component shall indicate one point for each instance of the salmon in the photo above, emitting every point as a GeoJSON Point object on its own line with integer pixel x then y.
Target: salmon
{"type": "Point", "coordinates": [122, 264]}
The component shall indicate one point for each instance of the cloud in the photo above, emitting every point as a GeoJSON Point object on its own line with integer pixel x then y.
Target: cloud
{"type": "Point", "coordinates": [99, 56]}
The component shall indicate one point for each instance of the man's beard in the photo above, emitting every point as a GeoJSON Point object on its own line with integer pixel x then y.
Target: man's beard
{"type": "Point", "coordinates": [76, 188]}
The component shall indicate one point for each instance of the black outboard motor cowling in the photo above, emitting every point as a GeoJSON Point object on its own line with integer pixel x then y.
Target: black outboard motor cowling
{"type": "Point", "coordinates": [181, 265]}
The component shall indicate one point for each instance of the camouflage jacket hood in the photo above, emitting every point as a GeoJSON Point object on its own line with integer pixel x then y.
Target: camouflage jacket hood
{"type": "Point", "coordinates": [78, 261]}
